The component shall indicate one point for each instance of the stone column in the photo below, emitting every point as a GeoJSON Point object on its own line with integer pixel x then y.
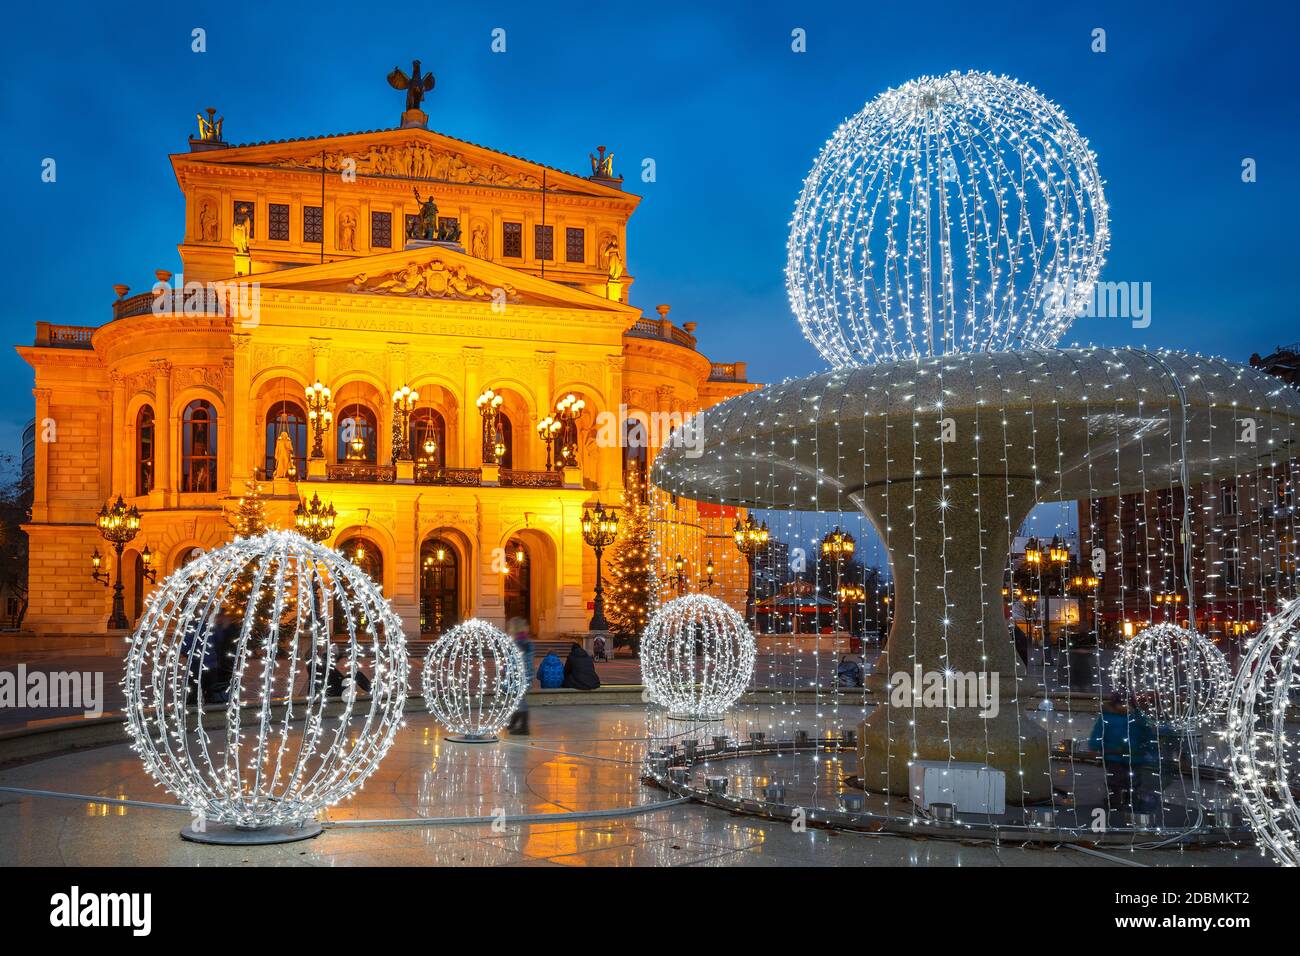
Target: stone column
{"type": "Point", "coordinates": [45, 429]}
{"type": "Point", "coordinates": [948, 541]}
{"type": "Point", "coordinates": [243, 445]}
{"type": "Point", "coordinates": [472, 425]}
{"type": "Point", "coordinates": [162, 433]}
{"type": "Point", "coordinates": [120, 449]}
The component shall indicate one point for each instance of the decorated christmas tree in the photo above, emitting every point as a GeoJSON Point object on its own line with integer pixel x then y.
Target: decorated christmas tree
{"type": "Point", "coordinates": [631, 583]}
{"type": "Point", "coordinates": [249, 517]}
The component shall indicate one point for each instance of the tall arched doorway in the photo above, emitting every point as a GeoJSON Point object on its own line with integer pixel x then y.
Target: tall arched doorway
{"type": "Point", "coordinates": [366, 555]}
{"type": "Point", "coordinates": [517, 572]}
{"type": "Point", "coordinates": [439, 587]}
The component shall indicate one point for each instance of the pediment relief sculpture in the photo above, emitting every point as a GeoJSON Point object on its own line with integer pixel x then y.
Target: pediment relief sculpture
{"type": "Point", "coordinates": [434, 280]}
{"type": "Point", "coordinates": [415, 160]}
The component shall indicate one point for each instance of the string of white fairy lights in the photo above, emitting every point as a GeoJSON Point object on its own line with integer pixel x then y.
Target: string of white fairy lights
{"type": "Point", "coordinates": [263, 622]}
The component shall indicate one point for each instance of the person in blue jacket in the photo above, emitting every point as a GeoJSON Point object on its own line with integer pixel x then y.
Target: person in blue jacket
{"type": "Point", "coordinates": [1127, 742]}
{"type": "Point", "coordinates": [551, 672]}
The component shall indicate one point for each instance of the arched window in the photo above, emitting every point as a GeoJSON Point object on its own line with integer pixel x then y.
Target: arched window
{"type": "Point", "coordinates": [635, 454]}
{"type": "Point", "coordinates": [286, 417]}
{"type": "Point", "coordinates": [427, 425]}
{"type": "Point", "coordinates": [144, 450]}
{"type": "Point", "coordinates": [357, 435]}
{"type": "Point", "coordinates": [199, 447]}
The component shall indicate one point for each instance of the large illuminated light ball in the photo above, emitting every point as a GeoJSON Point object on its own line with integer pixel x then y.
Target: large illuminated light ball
{"type": "Point", "coordinates": [1180, 675]}
{"type": "Point", "coordinates": [474, 680]}
{"type": "Point", "coordinates": [230, 701]}
{"type": "Point", "coordinates": [956, 213]}
{"type": "Point", "coordinates": [1262, 740]}
{"type": "Point", "coordinates": [697, 657]}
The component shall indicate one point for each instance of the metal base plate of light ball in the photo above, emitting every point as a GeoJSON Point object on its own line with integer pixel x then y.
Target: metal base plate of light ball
{"type": "Point", "coordinates": [221, 834]}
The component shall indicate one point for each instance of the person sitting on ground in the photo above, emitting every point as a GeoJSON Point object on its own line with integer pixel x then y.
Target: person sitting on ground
{"type": "Point", "coordinates": [580, 670]}
{"type": "Point", "coordinates": [848, 673]}
{"type": "Point", "coordinates": [550, 674]}
{"type": "Point", "coordinates": [339, 676]}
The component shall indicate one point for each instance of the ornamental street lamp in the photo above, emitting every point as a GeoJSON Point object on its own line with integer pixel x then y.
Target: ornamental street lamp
{"type": "Point", "coordinates": [567, 411]}
{"type": "Point", "coordinates": [404, 400]}
{"type": "Point", "coordinates": [838, 546]}
{"type": "Point", "coordinates": [707, 581]}
{"type": "Point", "coordinates": [548, 430]}
{"type": "Point", "coordinates": [315, 522]}
{"type": "Point", "coordinates": [320, 416]}
{"type": "Point", "coordinates": [679, 571]}
{"type": "Point", "coordinates": [751, 540]}
{"type": "Point", "coordinates": [118, 525]}
{"type": "Point", "coordinates": [599, 529]}
{"type": "Point", "coordinates": [489, 406]}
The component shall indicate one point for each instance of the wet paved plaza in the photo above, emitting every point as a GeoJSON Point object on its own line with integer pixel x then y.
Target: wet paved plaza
{"type": "Point", "coordinates": [584, 759]}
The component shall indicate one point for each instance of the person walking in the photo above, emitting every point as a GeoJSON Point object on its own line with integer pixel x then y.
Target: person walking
{"type": "Point", "coordinates": [517, 628]}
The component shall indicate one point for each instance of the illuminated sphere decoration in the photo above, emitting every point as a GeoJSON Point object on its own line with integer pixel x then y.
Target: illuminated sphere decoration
{"type": "Point", "coordinates": [474, 680]}
{"type": "Point", "coordinates": [697, 657]}
{"type": "Point", "coordinates": [1262, 710]}
{"type": "Point", "coordinates": [228, 689]}
{"type": "Point", "coordinates": [955, 213]}
{"type": "Point", "coordinates": [1180, 675]}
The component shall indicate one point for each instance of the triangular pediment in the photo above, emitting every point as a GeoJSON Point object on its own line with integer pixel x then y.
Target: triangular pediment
{"type": "Point", "coordinates": [438, 273]}
{"type": "Point", "coordinates": [413, 153]}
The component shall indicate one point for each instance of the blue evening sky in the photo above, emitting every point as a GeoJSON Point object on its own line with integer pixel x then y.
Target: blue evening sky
{"type": "Point", "coordinates": [732, 117]}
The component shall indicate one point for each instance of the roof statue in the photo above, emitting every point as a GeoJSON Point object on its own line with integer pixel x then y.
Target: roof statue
{"type": "Point", "coordinates": [416, 85]}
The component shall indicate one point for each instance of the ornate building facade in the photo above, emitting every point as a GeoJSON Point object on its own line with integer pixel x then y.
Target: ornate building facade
{"type": "Point", "coordinates": [298, 269]}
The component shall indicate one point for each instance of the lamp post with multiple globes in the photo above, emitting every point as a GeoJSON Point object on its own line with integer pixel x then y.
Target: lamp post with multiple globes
{"type": "Point", "coordinates": [751, 541]}
{"type": "Point", "coordinates": [315, 522]}
{"type": "Point", "coordinates": [320, 416]}
{"type": "Point", "coordinates": [548, 430]}
{"type": "Point", "coordinates": [404, 400]}
{"type": "Point", "coordinates": [119, 525]}
{"type": "Point", "coordinates": [599, 529]}
{"type": "Point", "coordinates": [567, 411]}
{"type": "Point", "coordinates": [489, 407]}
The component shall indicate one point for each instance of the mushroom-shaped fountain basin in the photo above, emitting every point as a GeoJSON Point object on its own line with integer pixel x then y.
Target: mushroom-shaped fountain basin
{"type": "Point", "coordinates": [947, 456]}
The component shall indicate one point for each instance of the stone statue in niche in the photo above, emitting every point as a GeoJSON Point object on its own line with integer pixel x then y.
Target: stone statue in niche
{"type": "Point", "coordinates": [347, 238]}
{"type": "Point", "coordinates": [207, 221]}
{"type": "Point", "coordinates": [284, 466]}
{"type": "Point", "coordinates": [478, 241]}
{"type": "Point", "coordinates": [613, 257]}
{"type": "Point", "coordinates": [240, 235]}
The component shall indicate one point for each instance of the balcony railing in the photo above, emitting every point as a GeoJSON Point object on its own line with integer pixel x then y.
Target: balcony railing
{"type": "Point", "coordinates": [727, 372]}
{"type": "Point", "coordinates": [512, 478]}
{"type": "Point", "coordinates": [455, 477]}
{"type": "Point", "coordinates": [362, 471]}
{"type": "Point", "coordinates": [63, 336]}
